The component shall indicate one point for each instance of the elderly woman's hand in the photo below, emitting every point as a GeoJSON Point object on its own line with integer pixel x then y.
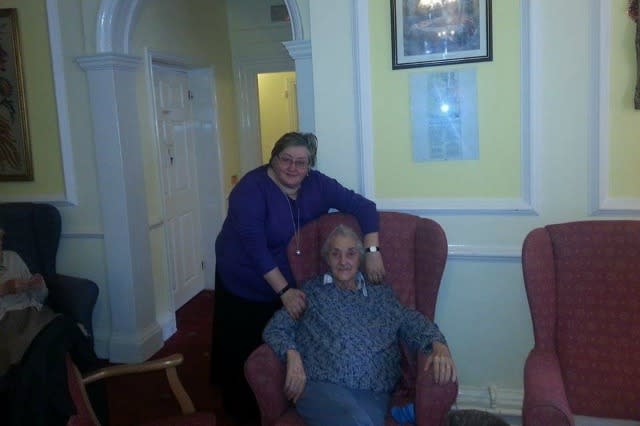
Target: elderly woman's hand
{"type": "Point", "coordinates": [444, 369]}
{"type": "Point", "coordinates": [295, 302]}
{"type": "Point", "coordinates": [296, 378]}
{"type": "Point", "coordinates": [374, 267]}
{"type": "Point", "coordinates": [19, 285]}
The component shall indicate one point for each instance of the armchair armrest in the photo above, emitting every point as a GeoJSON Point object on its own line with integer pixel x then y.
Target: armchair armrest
{"type": "Point", "coordinates": [265, 374]}
{"type": "Point", "coordinates": [433, 400]}
{"type": "Point", "coordinates": [545, 400]}
{"type": "Point", "coordinates": [73, 296]}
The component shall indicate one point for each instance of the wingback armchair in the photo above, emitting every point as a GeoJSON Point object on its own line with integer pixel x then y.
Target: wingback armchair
{"type": "Point", "coordinates": [414, 251]}
{"type": "Point", "coordinates": [33, 231]}
{"type": "Point", "coordinates": [582, 282]}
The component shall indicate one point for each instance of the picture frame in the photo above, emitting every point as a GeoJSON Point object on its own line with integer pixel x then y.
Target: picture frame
{"type": "Point", "coordinates": [427, 33]}
{"type": "Point", "coordinates": [15, 148]}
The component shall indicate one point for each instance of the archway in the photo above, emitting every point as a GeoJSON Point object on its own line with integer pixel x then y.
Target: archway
{"type": "Point", "coordinates": [117, 18]}
{"type": "Point", "coordinates": [135, 334]}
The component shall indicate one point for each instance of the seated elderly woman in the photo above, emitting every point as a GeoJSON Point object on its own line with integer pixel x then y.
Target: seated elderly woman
{"type": "Point", "coordinates": [34, 343]}
{"type": "Point", "coordinates": [343, 354]}
{"type": "Point", "coordinates": [22, 313]}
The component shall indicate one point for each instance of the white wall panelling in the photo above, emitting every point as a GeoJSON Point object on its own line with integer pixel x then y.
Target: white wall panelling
{"type": "Point", "coordinates": [602, 203]}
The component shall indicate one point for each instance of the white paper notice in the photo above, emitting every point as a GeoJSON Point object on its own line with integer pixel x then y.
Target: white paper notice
{"type": "Point", "coordinates": [444, 114]}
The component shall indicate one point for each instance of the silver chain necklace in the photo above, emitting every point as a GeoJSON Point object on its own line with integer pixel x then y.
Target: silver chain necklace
{"type": "Point", "coordinates": [293, 222]}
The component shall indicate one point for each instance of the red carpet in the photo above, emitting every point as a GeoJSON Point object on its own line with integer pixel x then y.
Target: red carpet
{"type": "Point", "coordinates": [139, 398]}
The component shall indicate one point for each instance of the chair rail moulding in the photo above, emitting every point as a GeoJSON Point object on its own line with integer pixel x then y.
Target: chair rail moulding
{"type": "Point", "coordinates": [481, 253]}
{"type": "Point", "coordinates": [602, 203]}
{"type": "Point", "coordinates": [525, 204]}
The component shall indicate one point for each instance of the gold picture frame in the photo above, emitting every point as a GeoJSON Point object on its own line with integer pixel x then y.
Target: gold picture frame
{"type": "Point", "coordinates": [16, 163]}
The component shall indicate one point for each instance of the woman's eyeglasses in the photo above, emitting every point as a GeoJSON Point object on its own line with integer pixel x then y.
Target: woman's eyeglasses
{"type": "Point", "coordinates": [288, 162]}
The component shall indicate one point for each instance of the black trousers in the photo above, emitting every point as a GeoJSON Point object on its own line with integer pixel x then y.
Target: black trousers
{"type": "Point", "coordinates": [237, 331]}
{"type": "Point", "coordinates": [35, 392]}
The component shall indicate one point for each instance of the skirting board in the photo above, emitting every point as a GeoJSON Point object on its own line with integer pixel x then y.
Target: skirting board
{"type": "Point", "coordinates": [168, 325]}
{"type": "Point", "coordinates": [101, 338]}
{"type": "Point", "coordinates": [135, 347]}
{"type": "Point", "coordinates": [506, 403]}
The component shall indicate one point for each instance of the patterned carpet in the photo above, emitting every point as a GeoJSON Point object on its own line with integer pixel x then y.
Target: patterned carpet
{"type": "Point", "coordinates": [133, 400]}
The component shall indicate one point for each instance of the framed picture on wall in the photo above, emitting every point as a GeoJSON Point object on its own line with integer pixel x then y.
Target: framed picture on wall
{"type": "Point", "coordinates": [427, 33]}
{"type": "Point", "coordinates": [15, 149]}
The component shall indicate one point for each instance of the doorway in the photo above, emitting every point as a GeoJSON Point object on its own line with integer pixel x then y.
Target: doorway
{"type": "Point", "coordinates": [278, 111]}
{"type": "Point", "coordinates": [190, 173]}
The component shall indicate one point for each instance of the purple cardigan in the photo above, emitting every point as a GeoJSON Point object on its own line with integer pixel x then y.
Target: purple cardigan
{"type": "Point", "coordinates": [258, 227]}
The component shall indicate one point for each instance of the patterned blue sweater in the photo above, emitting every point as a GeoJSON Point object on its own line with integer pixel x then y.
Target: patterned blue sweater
{"type": "Point", "coordinates": [349, 337]}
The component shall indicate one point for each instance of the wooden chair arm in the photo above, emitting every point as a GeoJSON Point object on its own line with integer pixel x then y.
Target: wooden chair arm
{"type": "Point", "coordinates": [168, 364]}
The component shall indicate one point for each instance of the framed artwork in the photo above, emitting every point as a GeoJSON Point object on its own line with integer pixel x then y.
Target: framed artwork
{"type": "Point", "coordinates": [15, 149]}
{"type": "Point", "coordinates": [427, 33]}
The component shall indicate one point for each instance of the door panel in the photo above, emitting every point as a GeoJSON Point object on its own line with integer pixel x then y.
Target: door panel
{"type": "Point", "coordinates": [179, 177]}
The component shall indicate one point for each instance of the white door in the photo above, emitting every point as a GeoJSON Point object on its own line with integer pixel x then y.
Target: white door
{"type": "Point", "coordinates": [179, 181]}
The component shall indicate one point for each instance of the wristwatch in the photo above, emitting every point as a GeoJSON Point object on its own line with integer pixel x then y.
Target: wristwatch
{"type": "Point", "coordinates": [283, 290]}
{"type": "Point", "coordinates": [372, 249]}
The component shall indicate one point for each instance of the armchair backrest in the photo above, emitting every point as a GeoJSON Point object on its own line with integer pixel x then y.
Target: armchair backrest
{"type": "Point", "coordinates": [414, 250]}
{"type": "Point", "coordinates": [33, 231]}
{"type": "Point", "coordinates": [583, 285]}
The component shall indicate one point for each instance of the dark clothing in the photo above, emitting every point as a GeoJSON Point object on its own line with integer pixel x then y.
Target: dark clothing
{"type": "Point", "coordinates": [35, 391]}
{"type": "Point", "coordinates": [240, 338]}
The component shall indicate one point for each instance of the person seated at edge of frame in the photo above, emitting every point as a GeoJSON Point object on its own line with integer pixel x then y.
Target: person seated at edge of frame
{"type": "Point", "coordinates": [343, 354]}
{"type": "Point", "coordinates": [33, 346]}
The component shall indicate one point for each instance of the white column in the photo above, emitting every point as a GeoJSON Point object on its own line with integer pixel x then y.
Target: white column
{"type": "Point", "coordinates": [135, 334]}
{"type": "Point", "coordinates": [300, 52]}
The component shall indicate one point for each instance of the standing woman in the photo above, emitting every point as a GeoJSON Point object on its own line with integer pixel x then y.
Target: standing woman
{"type": "Point", "coordinates": [253, 277]}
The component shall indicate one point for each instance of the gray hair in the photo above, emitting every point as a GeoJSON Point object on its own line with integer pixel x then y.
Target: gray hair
{"type": "Point", "coordinates": [307, 140]}
{"type": "Point", "coordinates": [342, 231]}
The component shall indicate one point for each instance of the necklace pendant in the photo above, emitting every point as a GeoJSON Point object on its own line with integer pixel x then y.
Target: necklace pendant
{"type": "Point", "coordinates": [298, 252]}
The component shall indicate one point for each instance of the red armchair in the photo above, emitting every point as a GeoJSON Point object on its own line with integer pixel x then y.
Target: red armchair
{"type": "Point", "coordinates": [415, 252]}
{"type": "Point", "coordinates": [583, 286]}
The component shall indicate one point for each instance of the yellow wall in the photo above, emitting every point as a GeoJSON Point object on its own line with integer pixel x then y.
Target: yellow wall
{"type": "Point", "coordinates": [275, 114]}
{"type": "Point", "coordinates": [624, 161]}
{"type": "Point", "coordinates": [41, 107]}
{"type": "Point", "coordinates": [496, 173]}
